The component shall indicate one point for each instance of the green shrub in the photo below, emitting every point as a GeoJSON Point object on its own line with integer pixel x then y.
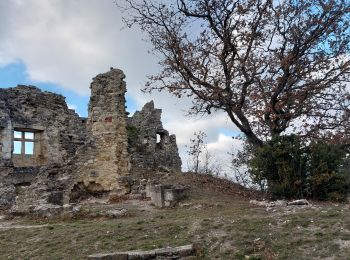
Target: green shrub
{"type": "Point", "coordinates": [283, 164]}
{"type": "Point", "coordinates": [293, 169]}
{"type": "Point", "coordinates": [327, 180]}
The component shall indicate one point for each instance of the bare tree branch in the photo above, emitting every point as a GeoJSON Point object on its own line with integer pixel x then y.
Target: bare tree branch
{"type": "Point", "coordinates": [272, 66]}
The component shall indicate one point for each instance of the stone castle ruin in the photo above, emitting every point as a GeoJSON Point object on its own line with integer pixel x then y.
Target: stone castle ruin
{"type": "Point", "coordinates": [51, 156]}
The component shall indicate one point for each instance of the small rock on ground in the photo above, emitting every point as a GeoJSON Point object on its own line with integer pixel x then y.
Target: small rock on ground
{"type": "Point", "coordinates": [117, 213]}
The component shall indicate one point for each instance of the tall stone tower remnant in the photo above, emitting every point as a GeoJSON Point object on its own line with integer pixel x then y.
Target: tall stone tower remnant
{"type": "Point", "coordinates": [106, 126]}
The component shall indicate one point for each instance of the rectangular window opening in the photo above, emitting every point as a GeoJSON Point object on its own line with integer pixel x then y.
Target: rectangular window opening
{"type": "Point", "coordinates": [29, 148]}
{"type": "Point", "coordinates": [17, 147]}
{"type": "Point", "coordinates": [23, 142]}
{"type": "Point", "coordinates": [29, 135]}
{"type": "Point", "coordinates": [17, 134]}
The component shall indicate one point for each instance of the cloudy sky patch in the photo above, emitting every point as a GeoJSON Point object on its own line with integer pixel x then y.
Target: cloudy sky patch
{"type": "Point", "coordinates": [61, 45]}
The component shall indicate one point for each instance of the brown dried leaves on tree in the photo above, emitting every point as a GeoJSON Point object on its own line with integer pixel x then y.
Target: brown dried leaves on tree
{"type": "Point", "coordinates": [270, 65]}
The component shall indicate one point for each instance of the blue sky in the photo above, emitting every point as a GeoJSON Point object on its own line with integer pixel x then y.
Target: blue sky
{"type": "Point", "coordinates": [14, 74]}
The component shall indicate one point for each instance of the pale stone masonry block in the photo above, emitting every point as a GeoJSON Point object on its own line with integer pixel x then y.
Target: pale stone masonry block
{"type": "Point", "coordinates": [165, 195]}
{"type": "Point", "coordinates": [161, 253]}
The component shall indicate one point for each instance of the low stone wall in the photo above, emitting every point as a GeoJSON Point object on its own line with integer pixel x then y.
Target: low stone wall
{"type": "Point", "coordinates": [165, 195]}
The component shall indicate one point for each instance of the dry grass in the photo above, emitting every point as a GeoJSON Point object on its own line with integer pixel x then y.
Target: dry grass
{"type": "Point", "coordinates": [220, 221]}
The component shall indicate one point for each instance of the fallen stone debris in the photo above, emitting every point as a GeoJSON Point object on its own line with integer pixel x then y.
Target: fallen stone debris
{"type": "Point", "coordinates": [298, 202]}
{"type": "Point", "coordinates": [279, 203]}
{"type": "Point", "coordinates": [117, 213]}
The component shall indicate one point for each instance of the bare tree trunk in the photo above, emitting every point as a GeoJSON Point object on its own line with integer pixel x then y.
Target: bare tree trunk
{"type": "Point", "coordinates": [197, 164]}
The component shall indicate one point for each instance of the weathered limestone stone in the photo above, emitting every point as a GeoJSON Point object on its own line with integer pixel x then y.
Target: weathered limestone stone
{"type": "Point", "coordinates": [165, 195]}
{"type": "Point", "coordinates": [151, 148]}
{"type": "Point", "coordinates": [117, 213]}
{"type": "Point", "coordinates": [57, 132]}
{"type": "Point", "coordinates": [74, 158]}
{"type": "Point", "coordinates": [7, 196]}
{"type": "Point", "coordinates": [298, 202]}
{"type": "Point", "coordinates": [157, 196]}
{"type": "Point", "coordinates": [161, 253]}
{"type": "Point", "coordinates": [107, 132]}
{"type": "Point", "coordinates": [172, 195]}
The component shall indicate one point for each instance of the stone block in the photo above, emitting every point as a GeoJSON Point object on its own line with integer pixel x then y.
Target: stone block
{"type": "Point", "coordinates": [180, 251]}
{"type": "Point", "coordinates": [116, 213]}
{"type": "Point", "coordinates": [157, 196]}
{"type": "Point", "coordinates": [165, 196]}
{"type": "Point", "coordinates": [111, 256]}
{"type": "Point", "coordinates": [161, 253]}
{"type": "Point", "coordinates": [172, 195]}
{"type": "Point", "coordinates": [149, 189]}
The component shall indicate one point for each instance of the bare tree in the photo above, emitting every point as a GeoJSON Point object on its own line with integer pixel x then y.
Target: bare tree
{"type": "Point", "coordinates": [200, 159]}
{"type": "Point", "coordinates": [210, 164]}
{"type": "Point", "coordinates": [196, 148]}
{"type": "Point", "coordinates": [270, 65]}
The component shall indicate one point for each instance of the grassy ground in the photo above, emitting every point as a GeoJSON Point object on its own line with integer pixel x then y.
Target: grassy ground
{"type": "Point", "coordinates": [223, 226]}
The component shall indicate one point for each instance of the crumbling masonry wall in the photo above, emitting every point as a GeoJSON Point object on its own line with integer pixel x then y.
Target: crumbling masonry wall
{"type": "Point", "coordinates": [58, 132]}
{"type": "Point", "coordinates": [150, 145]}
{"type": "Point", "coordinates": [76, 157]}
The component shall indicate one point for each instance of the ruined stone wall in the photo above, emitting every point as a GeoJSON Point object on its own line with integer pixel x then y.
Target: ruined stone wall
{"type": "Point", "coordinates": [29, 108]}
{"type": "Point", "coordinates": [76, 158]}
{"type": "Point", "coordinates": [148, 152]}
{"type": "Point", "coordinates": [58, 132]}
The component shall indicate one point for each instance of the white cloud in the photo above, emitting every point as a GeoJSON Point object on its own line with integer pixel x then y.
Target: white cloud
{"type": "Point", "coordinates": [224, 143]}
{"type": "Point", "coordinates": [187, 126]}
{"type": "Point", "coordinates": [222, 149]}
{"type": "Point", "coordinates": [69, 42]}
{"type": "Point", "coordinates": [72, 106]}
{"type": "Point", "coordinates": [5, 59]}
